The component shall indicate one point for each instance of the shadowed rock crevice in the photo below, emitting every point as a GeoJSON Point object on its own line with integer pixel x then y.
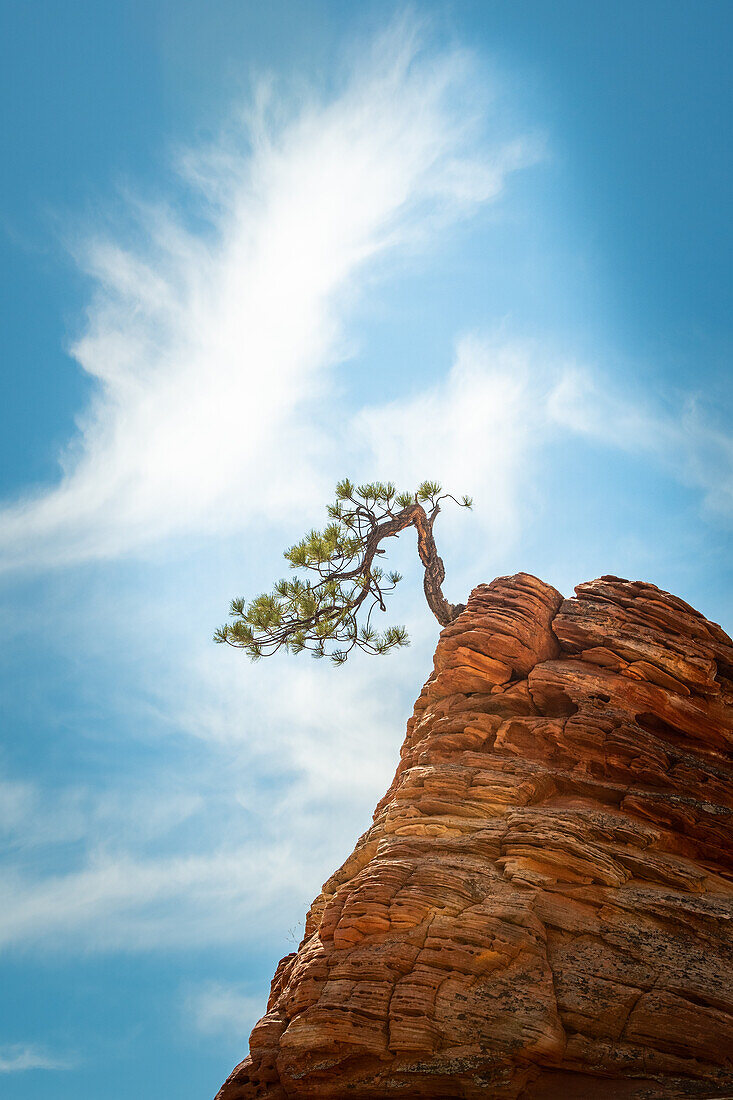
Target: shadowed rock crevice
{"type": "Point", "coordinates": [541, 909]}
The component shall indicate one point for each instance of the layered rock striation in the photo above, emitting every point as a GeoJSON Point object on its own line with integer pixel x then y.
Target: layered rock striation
{"type": "Point", "coordinates": [542, 906]}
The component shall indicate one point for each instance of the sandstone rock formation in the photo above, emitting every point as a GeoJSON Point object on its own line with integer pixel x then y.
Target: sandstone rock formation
{"type": "Point", "coordinates": [542, 906]}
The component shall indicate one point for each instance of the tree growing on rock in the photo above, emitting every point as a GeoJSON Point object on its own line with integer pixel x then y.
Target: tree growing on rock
{"type": "Point", "coordinates": [329, 613]}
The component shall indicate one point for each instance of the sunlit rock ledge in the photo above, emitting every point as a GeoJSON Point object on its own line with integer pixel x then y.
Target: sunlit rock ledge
{"type": "Point", "coordinates": [542, 906]}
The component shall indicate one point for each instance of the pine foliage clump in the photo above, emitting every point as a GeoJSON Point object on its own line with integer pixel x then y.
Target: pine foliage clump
{"type": "Point", "coordinates": [329, 610]}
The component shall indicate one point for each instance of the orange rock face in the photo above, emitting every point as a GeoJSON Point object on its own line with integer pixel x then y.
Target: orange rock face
{"type": "Point", "coordinates": [542, 907]}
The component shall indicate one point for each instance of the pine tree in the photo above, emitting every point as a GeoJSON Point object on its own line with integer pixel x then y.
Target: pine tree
{"type": "Point", "coordinates": [329, 613]}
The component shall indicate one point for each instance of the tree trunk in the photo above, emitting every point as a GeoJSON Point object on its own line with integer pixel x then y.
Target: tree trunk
{"type": "Point", "coordinates": [434, 569]}
{"type": "Point", "coordinates": [416, 516]}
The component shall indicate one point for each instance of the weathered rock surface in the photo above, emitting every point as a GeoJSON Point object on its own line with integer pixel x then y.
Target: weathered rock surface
{"type": "Point", "coordinates": [542, 907]}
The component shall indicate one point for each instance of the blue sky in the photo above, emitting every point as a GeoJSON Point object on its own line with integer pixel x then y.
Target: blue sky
{"type": "Point", "coordinates": [248, 249]}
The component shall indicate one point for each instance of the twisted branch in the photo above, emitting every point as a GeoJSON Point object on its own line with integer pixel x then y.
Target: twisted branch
{"type": "Point", "coordinates": [308, 615]}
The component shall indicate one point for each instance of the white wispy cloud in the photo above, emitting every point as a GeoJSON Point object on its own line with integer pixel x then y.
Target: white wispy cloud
{"type": "Point", "coordinates": [229, 851]}
{"type": "Point", "coordinates": [16, 804]}
{"type": "Point", "coordinates": [129, 902]}
{"type": "Point", "coordinates": [211, 348]}
{"type": "Point", "coordinates": [481, 427]}
{"type": "Point", "coordinates": [679, 435]}
{"type": "Point", "coordinates": [224, 1010]}
{"type": "Point", "coordinates": [18, 1057]}
{"type": "Point", "coordinates": [31, 816]}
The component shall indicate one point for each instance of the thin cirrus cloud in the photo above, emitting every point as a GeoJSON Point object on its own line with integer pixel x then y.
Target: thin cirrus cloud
{"type": "Point", "coordinates": [482, 426]}
{"type": "Point", "coordinates": [222, 1009]}
{"type": "Point", "coordinates": [19, 1057]}
{"type": "Point", "coordinates": [683, 440]}
{"type": "Point", "coordinates": [156, 867]}
{"type": "Point", "coordinates": [212, 348]}
{"type": "Point", "coordinates": [486, 424]}
{"type": "Point", "coordinates": [135, 902]}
